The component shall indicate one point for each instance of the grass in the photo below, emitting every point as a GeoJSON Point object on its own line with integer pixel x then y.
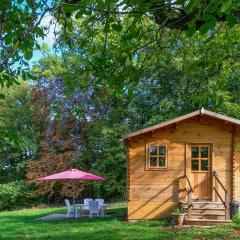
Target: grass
{"type": "Point", "coordinates": [18, 225]}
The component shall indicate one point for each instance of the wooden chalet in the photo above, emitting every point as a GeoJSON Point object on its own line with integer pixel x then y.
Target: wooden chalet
{"type": "Point", "coordinates": [191, 161]}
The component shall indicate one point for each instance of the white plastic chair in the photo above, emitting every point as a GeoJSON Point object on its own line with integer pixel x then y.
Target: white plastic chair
{"type": "Point", "coordinates": [100, 206]}
{"type": "Point", "coordinates": [93, 208]}
{"type": "Point", "coordinates": [86, 203]}
{"type": "Point", "coordinates": [70, 208]}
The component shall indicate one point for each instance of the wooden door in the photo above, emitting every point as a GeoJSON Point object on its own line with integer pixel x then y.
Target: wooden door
{"type": "Point", "coordinates": [200, 158]}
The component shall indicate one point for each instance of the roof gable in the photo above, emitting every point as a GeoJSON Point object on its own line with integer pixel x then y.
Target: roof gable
{"type": "Point", "coordinates": [201, 112]}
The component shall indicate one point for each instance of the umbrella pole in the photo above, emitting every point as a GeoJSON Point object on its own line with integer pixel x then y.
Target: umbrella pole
{"type": "Point", "coordinates": [73, 195]}
{"type": "Point", "coordinates": [73, 191]}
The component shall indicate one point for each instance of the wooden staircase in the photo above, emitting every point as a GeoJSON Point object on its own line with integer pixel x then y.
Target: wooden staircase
{"type": "Point", "coordinates": [205, 212]}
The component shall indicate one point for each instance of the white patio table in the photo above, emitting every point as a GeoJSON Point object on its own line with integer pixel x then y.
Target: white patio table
{"type": "Point", "coordinates": [80, 206]}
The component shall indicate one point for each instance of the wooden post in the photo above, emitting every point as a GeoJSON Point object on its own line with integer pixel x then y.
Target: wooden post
{"type": "Point", "coordinates": [213, 187]}
{"type": "Point", "coordinates": [189, 203]}
{"type": "Point", "coordinates": [216, 190]}
{"type": "Point", "coordinates": [215, 174]}
{"type": "Point", "coordinates": [185, 188]}
{"type": "Point", "coordinates": [182, 188]}
{"type": "Point", "coordinates": [185, 158]}
{"type": "Point", "coordinates": [181, 194]}
{"type": "Point", "coordinates": [227, 207]}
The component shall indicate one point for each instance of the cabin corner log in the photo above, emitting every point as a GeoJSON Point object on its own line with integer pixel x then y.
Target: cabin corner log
{"type": "Point", "coordinates": [233, 162]}
{"type": "Point", "coordinates": [128, 169]}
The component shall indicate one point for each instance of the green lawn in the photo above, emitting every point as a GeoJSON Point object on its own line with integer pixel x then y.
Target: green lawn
{"type": "Point", "coordinates": [19, 225]}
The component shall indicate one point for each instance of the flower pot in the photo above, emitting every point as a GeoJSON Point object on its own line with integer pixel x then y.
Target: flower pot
{"type": "Point", "coordinates": [178, 218]}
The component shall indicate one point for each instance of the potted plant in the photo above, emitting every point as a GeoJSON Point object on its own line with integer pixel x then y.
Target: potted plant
{"type": "Point", "coordinates": [178, 217]}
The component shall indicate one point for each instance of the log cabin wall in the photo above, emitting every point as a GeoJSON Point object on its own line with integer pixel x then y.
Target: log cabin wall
{"type": "Point", "coordinates": [154, 193]}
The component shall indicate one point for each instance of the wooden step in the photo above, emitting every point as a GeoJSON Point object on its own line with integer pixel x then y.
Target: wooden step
{"type": "Point", "coordinates": [205, 213]}
{"type": "Point", "coordinates": [207, 208]}
{"type": "Point", "coordinates": [208, 214]}
{"type": "Point", "coordinates": [204, 210]}
{"type": "Point", "coordinates": [216, 216]}
{"type": "Point", "coordinates": [184, 205]}
{"type": "Point", "coordinates": [202, 202]}
{"type": "Point", "coordinates": [207, 222]}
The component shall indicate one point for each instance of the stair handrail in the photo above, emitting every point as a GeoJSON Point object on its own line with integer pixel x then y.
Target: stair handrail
{"type": "Point", "coordinates": [189, 191]}
{"type": "Point", "coordinates": [225, 202]}
{"type": "Point", "coordinates": [190, 188]}
{"type": "Point", "coordinates": [189, 184]}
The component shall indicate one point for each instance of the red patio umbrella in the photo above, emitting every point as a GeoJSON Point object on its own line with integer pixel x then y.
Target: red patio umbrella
{"type": "Point", "coordinates": [72, 174]}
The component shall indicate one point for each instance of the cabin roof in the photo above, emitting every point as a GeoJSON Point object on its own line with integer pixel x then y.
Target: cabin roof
{"type": "Point", "coordinates": [200, 112]}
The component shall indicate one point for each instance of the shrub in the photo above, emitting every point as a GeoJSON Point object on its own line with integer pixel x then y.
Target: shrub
{"type": "Point", "coordinates": [236, 218]}
{"type": "Point", "coordinates": [177, 211]}
{"type": "Point", "coordinates": [15, 195]}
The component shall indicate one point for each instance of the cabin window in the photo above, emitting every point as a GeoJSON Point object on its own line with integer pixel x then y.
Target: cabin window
{"type": "Point", "coordinates": [195, 165]}
{"type": "Point", "coordinates": [157, 156]}
{"type": "Point", "coordinates": [200, 158]}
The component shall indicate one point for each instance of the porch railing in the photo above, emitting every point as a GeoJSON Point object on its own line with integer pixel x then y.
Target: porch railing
{"type": "Point", "coordinates": [186, 190]}
{"type": "Point", "coordinates": [224, 199]}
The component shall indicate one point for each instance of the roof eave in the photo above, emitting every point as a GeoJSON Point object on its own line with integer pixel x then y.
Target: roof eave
{"type": "Point", "coordinates": [182, 118]}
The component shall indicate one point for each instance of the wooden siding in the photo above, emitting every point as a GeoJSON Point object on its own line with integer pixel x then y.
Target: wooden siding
{"type": "Point", "coordinates": [154, 193]}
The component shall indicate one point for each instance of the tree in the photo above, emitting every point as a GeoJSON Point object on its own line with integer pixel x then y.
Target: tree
{"type": "Point", "coordinates": [18, 141]}
{"type": "Point", "coordinates": [119, 70]}
{"type": "Point", "coordinates": [21, 23]}
{"type": "Point", "coordinates": [60, 135]}
{"type": "Point", "coordinates": [19, 30]}
{"type": "Point", "coordinates": [78, 129]}
{"type": "Point", "coordinates": [115, 59]}
{"type": "Point", "coordinates": [81, 120]}
{"type": "Point", "coordinates": [176, 79]}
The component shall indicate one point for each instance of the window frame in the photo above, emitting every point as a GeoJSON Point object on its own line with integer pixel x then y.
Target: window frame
{"type": "Point", "coordinates": [158, 155]}
{"type": "Point", "coordinates": [200, 158]}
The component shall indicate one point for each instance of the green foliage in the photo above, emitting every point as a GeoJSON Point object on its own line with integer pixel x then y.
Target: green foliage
{"type": "Point", "coordinates": [177, 211]}
{"type": "Point", "coordinates": [18, 139]}
{"type": "Point", "coordinates": [98, 127]}
{"type": "Point", "coordinates": [126, 60]}
{"type": "Point", "coordinates": [173, 77]}
{"type": "Point", "coordinates": [128, 74]}
{"type": "Point", "coordinates": [17, 146]}
{"type": "Point", "coordinates": [105, 155]}
{"type": "Point", "coordinates": [15, 195]}
{"type": "Point", "coordinates": [236, 219]}
{"type": "Point", "coordinates": [166, 14]}
{"type": "Point", "coordinates": [21, 29]}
